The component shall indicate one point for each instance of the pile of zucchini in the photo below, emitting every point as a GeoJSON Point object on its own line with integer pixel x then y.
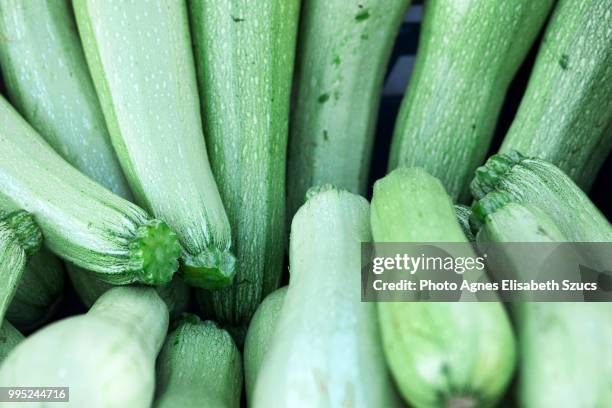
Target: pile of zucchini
{"type": "Point", "coordinates": [155, 150]}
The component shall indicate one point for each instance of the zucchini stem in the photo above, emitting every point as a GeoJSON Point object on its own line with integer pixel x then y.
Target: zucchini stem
{"type": "Point", "coordinates": [156, 247]}
{"type": "Point", "coordinates": [210, 269]}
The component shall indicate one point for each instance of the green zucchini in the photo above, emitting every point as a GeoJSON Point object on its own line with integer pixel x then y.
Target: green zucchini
{"type": "Point", "coordinates": [82, 222]}
{"type": "Point", "coordinates": [565, 116]}
{"type": "Point", "coordinates": [463, 214]}
{"type": "Point", "coordinates": [343, 52]}
{"type": "Point", "coordinates": [441, 354]}
{"type": "Point", "coordinates": [260, 336]}
{"type": "Point", "coordinates": [468, 53]}
{"type": "Point", "coordinates": [244, 60]}
{"type": "Point", "coordinates": [144, 74]}
{"type": "Point", "coordinates": [199, 366]}
{"type": "Point", "coordinates": [9, 338]}
{"type": "Point", "coordinates": [326, 348]}
{"type": "Point", "coordinates": [106, 356]}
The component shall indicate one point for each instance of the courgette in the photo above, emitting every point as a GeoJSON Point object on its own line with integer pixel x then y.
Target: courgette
{"type": "Point", "coordinates": [144, 74]}
{"type": "Point", "coordinates": [565, 116]}
{"type": "Point", "coordinates": [463, 214]}
{"type": "Point", "coordinates": [82, 222]}
{"type": "Point", "coordinates": [260, 336]}
{"type": "Point", "coordinates": [199, 366]}
{"type": "Point", "coordinates": [9, 338]}
{"type": "Point", "coordinates": [106, 356]}
{"type": "Point", "coordinates": [468, 53]}
{"type": "Point", "coordinates": [244, 60]}
{"type": "Point", "coordinates": [441, 354]}
{"type": "Point", "coordinates": [343, 52]}
{"type": "Point", "coordinates": [326, 348]}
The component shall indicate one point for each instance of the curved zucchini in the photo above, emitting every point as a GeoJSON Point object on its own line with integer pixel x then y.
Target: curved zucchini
{"type": "Point", "coordinates": [326, 348]}
{"type": "Point", "coordinates": [260, 336]}
{"type": "Point", "coordinates": [106, 356]}
{"type": "Point", "coordinates": [565, 116]}
{"type": "Point", "coordinates": [468, 53]}
{"type": "Point", "coordinates": [343, 52]}
{"type": "Point", "coordinates": [442, 354]}
{"type": "Point", "coordinates": [82, 222]}
{"type": "Point", "coordinates": [144, 75]}
{"type": "Point", "coordinates": [10, 337]}
{"type": "Point", "coordinates": [199, 366]}
{"type": "Point", "coordinates": [244, 59]}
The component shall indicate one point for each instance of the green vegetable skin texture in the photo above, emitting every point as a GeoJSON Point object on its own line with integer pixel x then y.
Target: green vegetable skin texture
{"type": "Point", "coordinates": [343, 52]}
{"type": "Point", "coordinates": [326, 348]}
{"type": "Point", "coordinates": [244, 56]}
{"type": "Point", "coordinates": [565, 116]}
{"type": "Point", "coordinates": [9, 338]}
{"type": "Point", "coordinates": [440, 354]}
{"type": "Point", "coordinates": [468, 53]}
{"type": "Point", "coordinates": [199, 366]}
{"type": "Point", "coordinates": [463, 214]}
{"type": "Point", "coordinates": [144, 74]}
{"type": "Point", "coordinates": [106, 357]}
{"type": "Point", "coordinates": [81, 221]}
{"type": "Point", "coordinates": [259, 337]}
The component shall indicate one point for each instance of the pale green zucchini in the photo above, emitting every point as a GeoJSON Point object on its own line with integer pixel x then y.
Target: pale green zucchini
{"type": "Point", "coordinates": [343, 52]}
{"type": "Point", "coordinates": [565, 116]}
{"type": "Point", "coordinates": [244, 59]}
{"type": "Point", "coordinates": [441, 354]}
{"type": "Point", "coordinates": [144, 74]}
{"type": "Point", "coordinates": [82, 222]}
{"type": "Point", "coordinates": [468, 53]}
{"type": "Point", "coordinates": [106, 356]}
{"type": "Point", "coordinates": [199, 366]}
{"type": "Point", "coordinates": [260, 336]}
{"type": "Point", "coordinates": [463, 214]}
{"type": "Point", "coordinates": [326, 348]}
{"type": "Point", "coordinates": [10, 337]}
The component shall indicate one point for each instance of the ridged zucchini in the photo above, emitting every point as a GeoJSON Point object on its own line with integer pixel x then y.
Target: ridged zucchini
{"type": "Point", "coordinates": [343, 52]}
{"type": "Point", "coordinates": [144, 74]}
{"type": "Point", "coordinates": [244, 60]}
{"type": "Point", "coordinates": [82, 222]}
{"type": "Point", "coordinates": [468, 53]}
{"type": "Point", "coordinates": [441, 354]}
{"type": "Point", "coordinates": [106, 356]}
{"type": "Point", "coordinates": [463, 214]}
{"type": "Point", "coordinates": [199, 366]}
{"type": "Point", "coordinates": [260, 336]}
{"type": "Point", "coordinates": [326, 348]}
{"type": "Point", "coordinates": [565, 116]}
{"type": "Point", "coordinates": [9, 338]}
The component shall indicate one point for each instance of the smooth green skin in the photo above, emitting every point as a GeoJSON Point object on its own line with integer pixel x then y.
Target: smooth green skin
{"type": "Point", "coordinates": [469, 51]}
{"type": "Point", "coordinates": [106, 356]}
{"type": "Point", "coordinates": [440, 354]}
{"type": "Point", "coordinates": [260, 336]}
{"type": "Point", "coordinates": [47, 81]}
{"type": "Point", "coordinates": [565, 116]}
{"type": "Point", "coordinates": [244, 59]}
{"type": "Point", "coordinates": [82, 222]}
{"type": "Point", "coordinates": [9, 338]}
{"type": "Point", "coordinates": [326, 349]}
{"type": "Point", "coordinates": [199, 366]}
{"type": "Point", "coordinates": [343, 53]}
{"type": "Point", "coordinates": [144, 75]}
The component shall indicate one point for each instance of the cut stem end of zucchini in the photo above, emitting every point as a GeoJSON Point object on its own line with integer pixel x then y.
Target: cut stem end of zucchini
{"type": "Point", "coordinates": [486, 206]}
{"type": "Point", "coordinates": [495, 168]}
{"type": "Point", "coordinates": [157, 247]}
{"type": "Point", "coordinates": [210, 269]}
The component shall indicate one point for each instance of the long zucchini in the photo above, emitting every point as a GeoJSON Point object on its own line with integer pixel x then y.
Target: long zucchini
{"type": "Point", "coordinates": [9, 338]}
{"type": "Point", "coordinates": [144, 74]}
{"type": "Point", "coordinates": [565, 116]}
{"type": "Point", "coordinates": [326, 348]}
{"type": "Point", "coordinates": [82, 222]}
{"type": "Point", "coordinates": [343, 52]}
{"type": "Point", "coordinates": [199, 366]}
{"type": "Point", "coordinates": [468, 53]}
{"type": "Point", "coordinates": [441, 354]}
{"type": "Point", "coordinates": [244, 60]}
{"type": "Point", "coordinates": [106, 357]}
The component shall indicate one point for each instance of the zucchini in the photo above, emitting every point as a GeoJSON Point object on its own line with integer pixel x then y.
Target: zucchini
{"type": "Point", "coordinates": [326, 349]}
{"type": "Point", "coordinates": [199, 366]}
{"type": "Point", "coordinates": [565, 116]}
{"type": "Point", "coordinates": [343, 53]}
{"type": "Point", "coordinates": [106, 356]}
{"type": "Point", "coordinates": [144, 75]}
{"type": "Point", "coordinates": [260, 336]}
{"type": "Point", "coordinates": [463, 214]}
{"type": "Point", "coordinates": [441, 354]}
{"type": "Point", "coordinates": [244, 60]}
{"type": "Point", "coordinates": [9, 338]}
{"type": "Point", "coordinates": [468, 53]}
{"type": "Point", "coordinates": [82, 222]}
